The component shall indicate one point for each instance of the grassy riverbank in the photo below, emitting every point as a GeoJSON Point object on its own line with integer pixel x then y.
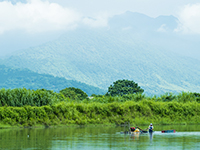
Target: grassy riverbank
{"type": "Point", "coordinates": [115, 113]}
{"type": "Point", "coordinates": [44, 108]}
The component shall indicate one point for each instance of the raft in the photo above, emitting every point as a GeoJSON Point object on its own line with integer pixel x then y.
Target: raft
{"type": "Point", "coordinates": [168, 131]}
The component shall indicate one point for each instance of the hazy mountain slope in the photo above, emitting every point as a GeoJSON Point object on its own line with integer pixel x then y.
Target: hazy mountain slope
{"type": "Point", "coordinates": [19, 78]}
{"type": "Point", "coordinates": [138, 22]}
{"type": "Point", "coordinates": [99, 57]}
{"type": "Point", "coordinates": [162, 31]}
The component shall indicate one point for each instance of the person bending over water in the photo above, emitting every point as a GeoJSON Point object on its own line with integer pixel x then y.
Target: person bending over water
{"type": "Point", "coordinates": [134, 130]}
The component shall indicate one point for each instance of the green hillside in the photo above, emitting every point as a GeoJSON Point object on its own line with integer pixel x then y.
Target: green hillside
{"type": "Point", "coordinates": [99, 57]}
{"type": "Point", "coordinates": [19, 78]}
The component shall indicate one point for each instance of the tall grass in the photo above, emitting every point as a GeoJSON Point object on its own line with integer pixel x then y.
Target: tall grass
{"type": "Point", "coordinates": [29, 108]}
{"type": "Point", "coordinates": [142, 112]}
{"type": "Point", "coordinates": [167, 97]}
{"type": "Point", "coordinates": [20, 97]}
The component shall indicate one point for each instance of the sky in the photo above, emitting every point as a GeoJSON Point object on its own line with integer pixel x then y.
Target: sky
{"type": "Point", "coordinates": [25, 23]}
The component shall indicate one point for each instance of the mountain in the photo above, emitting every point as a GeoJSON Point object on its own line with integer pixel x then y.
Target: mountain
{"type": "Point", "coordinates": [19, 78]}
{"type": "Point", "coordinates": [162, 31]}
{"type": "Point", "coordinates": [126, 50]}
{"type": "Point", "coordinates": [137, 22]}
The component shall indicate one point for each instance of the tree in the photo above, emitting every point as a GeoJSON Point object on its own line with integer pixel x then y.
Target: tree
{"type": "Point", "coordinates": [123, 87]}
{"type": "Point", "coordinates": [74, 93]}
{"type": "Point", "coordinates": [197, 95]}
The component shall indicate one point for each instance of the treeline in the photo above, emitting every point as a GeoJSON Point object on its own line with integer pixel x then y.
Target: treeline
{"type": "Point", "coordinates": [183, 97]}
{"type": "Point", "coordinates": [24, 107]}
{"type": "Point", "coordinates": [22, 97]}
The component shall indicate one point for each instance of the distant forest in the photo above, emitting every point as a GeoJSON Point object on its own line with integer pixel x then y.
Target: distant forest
{"type": "Point", "coordinates": [18, 78]}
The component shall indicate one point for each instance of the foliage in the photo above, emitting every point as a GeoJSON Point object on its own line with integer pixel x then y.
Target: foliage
{"type": "Point", "coordinates": [123, 87]}
{"type": "Point", "coordinates": [48, 108]}
{"type": "Point", "coordinates": [74, 93]}
{"type": "Point", "coordinates": [197, 95]}
{"type": "Point", "coordinates": [141, 112]}
{"type": "Point", "coordinates": [109, 99]}
{"type": "Point", "coordinates": [11, 78]}
{"type": "Point", "coordinates": [21, 97]}
{"type": "Point", "coordinates": [183, 97]}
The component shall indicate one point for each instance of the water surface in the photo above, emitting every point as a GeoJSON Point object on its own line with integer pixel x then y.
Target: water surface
{"type": "Point", "coordinates": [107, 138]}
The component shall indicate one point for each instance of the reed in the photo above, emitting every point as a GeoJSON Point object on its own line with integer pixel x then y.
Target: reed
{"type": "Point", "coordinates": [66, 113]}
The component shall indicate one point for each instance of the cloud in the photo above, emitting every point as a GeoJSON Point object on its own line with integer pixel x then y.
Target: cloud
{"type": "Point", "coordinates": [162, 28]}
{"type": "Point", "coordinates": [189, 17]}
{"type": "Point", "coordinates": [36, 16]}
{"type": "Point", "coordinates": [100, 20]}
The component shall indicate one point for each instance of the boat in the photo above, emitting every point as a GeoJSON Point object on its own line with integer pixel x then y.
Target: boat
{"type": "Point", "coordinates": [144, 131]}
{"type": "Point", "coordinates": [168, 131]}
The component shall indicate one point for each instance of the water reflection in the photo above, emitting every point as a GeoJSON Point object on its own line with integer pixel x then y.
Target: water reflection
{"type": "Point", "coordinates": [99, 138]}
{"type": "Point", "coordinates": [135, 136]}
{"type": "Point", "coordinates": [151, 137]}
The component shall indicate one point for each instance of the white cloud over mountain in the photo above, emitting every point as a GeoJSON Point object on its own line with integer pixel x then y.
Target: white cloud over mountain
{"type": "Point", "coordinates": [189, 17]}
{"type": "Point", "coordinates": [36, 16]}
{"type": "Point", "coordinates": [100, 20]}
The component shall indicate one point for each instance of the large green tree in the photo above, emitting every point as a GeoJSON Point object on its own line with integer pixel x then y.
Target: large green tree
{"type": "Point", "coordinates": [123, 87]}
{"type": "Point", "coordinates": [74, 93]}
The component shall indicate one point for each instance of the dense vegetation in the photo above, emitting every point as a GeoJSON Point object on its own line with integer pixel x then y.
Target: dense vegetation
{"type": "Point", "coordinates": [11, 78]}
{"type": "Point", "coordinates": [123, 87]}
{"type": "Point", "coordinates": [22, 97]}
{"type": "Point", "coordinates": [22, 107]}
{"type": "Point", "coordinates": [74, 93]}
{"type": "Point", "coordinates": [141, 112]}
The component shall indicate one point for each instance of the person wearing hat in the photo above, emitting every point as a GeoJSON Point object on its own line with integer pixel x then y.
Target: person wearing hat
{"type": "Point", "coordinates": [132, 129]}
{"type": "Point", "coordinates": [135, 130]}
{"type": "Point", "coordinates": [150, 127]}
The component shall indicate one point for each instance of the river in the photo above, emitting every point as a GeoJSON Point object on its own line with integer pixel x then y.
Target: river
{"type": "Point", "coordinates": [99, 138]}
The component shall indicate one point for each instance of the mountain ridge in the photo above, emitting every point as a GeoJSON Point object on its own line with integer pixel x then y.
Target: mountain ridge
{"type": "Point", "coordinates": [100, 57]}
{"type": "Point", "coordinates": [11, 78]}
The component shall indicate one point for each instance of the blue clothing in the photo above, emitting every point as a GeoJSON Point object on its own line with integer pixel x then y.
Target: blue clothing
{"type": "Point", "coordinates": [150, 128]}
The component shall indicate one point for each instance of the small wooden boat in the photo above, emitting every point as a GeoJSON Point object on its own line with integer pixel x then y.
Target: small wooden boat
{"type": "Point", "coordinates": [144, 131]}
{"type": "Point", "coordinates": [168, 131]}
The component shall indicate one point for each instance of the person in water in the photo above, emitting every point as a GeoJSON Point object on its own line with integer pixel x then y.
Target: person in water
{"type": "Point", "coordinates": [133, 129]}
{"type": "Point", "coordinates": [150, 127]}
